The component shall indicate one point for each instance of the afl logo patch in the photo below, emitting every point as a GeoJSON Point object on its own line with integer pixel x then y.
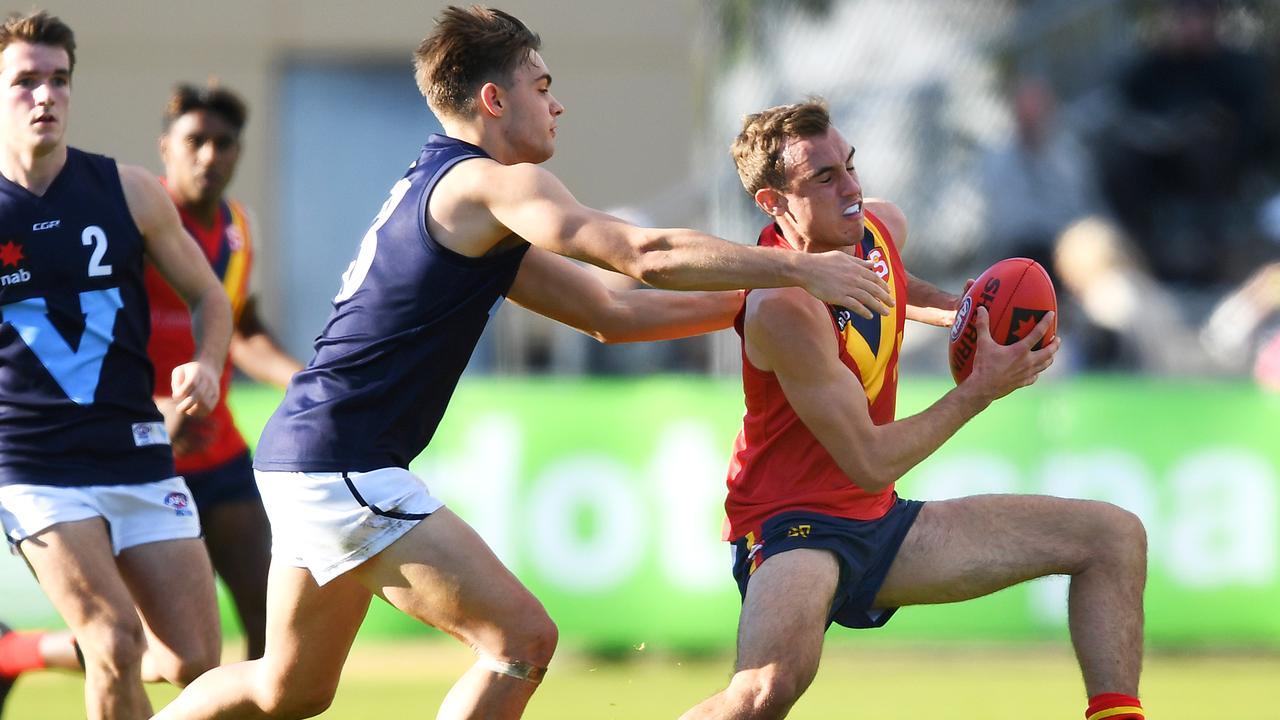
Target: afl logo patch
{"type": "Point", "coordinates": [962, 316]}
{"type": "Point", "coordinates": [179, 502]}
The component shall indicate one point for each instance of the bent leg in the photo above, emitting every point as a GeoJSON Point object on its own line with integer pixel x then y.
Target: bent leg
{"type": "Point", "coordinates": [238, 537]}
{"type": "Point", "coordinates": [75, 568]}
{"type": "Point", "coordinates": [309, 634]}
{"type": "Point", "coordinates": [172, 585]}
{"type": "Point", "coordinates": [442, 573]}
{"type": "Point", "coordinates": [970, 547]}
{"type": "Point", "coordinates": [780, 633]}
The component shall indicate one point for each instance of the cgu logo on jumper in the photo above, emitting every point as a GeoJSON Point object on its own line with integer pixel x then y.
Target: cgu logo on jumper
{"type": "Point", "coordinates": [10, 255]}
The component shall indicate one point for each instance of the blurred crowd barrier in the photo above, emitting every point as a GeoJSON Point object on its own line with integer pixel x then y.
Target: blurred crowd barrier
{"type": "Point", "coordinates": [605, 498]}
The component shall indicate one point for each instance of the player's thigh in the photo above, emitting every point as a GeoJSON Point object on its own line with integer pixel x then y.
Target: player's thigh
{"type": "Point", "coordinates": [442, 573]}
{"type": "Point", "coordinates": [310, 628]}
{"type": "Point", "coordinates": [238, 537]}
{"type": "Point", "coordinates": [73, 563]}
{"type": "Point", "coordinates": [172, 584]}
{"type": "Point", "coordinates": [785, 611]}
{"type": "Point", "coordinates": [969, 547]}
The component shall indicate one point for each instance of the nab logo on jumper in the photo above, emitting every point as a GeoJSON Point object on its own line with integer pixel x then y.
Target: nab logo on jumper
{"type": "Point", "coordinates": [10, 255]}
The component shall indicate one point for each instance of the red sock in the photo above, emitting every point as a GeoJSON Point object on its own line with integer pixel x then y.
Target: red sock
{"type": "Point", "coordinates": [19, 652]}
{"type": "Point", "coordinates": [1114, 706]}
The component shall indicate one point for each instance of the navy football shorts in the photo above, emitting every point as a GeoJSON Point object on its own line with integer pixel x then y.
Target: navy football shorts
{"type": "Point", "coordinates": [865, 550]}
{"type": "Point", "coordinates": [231, 481]}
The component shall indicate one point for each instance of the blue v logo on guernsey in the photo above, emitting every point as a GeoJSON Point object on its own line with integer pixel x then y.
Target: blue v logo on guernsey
{"type": "Point", "coordinates": [77, 371]}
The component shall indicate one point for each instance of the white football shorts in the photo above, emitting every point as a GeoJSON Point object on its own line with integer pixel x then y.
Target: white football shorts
{"type": "Point", "coordinates": [330, 522]}
{"type": "Point", "coordinates": [135, 514]}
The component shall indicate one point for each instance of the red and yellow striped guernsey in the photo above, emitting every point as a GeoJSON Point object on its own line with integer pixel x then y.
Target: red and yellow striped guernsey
{"type": "Point", "coordinates": [228, 245]}
{"type": "Point", "coordinates": [778, 465]}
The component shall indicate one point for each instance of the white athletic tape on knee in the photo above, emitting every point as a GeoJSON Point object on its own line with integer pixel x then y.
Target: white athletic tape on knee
{"type": "Point", "coordinates": [513, 668]}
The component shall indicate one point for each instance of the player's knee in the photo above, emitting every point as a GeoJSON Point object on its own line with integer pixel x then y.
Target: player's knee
{"type": "Point", "coordinates": [280, 699]}
{"type": "Point", "coordinates": [529, 635]}
{"type": "Point", "coordinates": [536, 642]}
{"type": "Point", "coordinates": [183, 666]}
{"type": "Point", "coordinates": [1129, 535]}
{"type": "Point", "coordinates": [184, 669]}
{"type": "Point", "coordinates": [115, 649]}
{"type": "Point", "coordinates": [768, 692]}
{"type": "Point", "coordinates": [1114, 537]}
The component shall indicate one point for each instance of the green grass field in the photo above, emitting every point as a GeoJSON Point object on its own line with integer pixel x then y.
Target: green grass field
{"type": "Point", "coordinates": [409, 679]}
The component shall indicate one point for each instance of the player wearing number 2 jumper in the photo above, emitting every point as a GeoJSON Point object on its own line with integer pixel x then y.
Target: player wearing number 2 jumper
{"type": "Point", "coordinates": [474, 220]}
{"type": "Point", "coordinates": [88, 493]}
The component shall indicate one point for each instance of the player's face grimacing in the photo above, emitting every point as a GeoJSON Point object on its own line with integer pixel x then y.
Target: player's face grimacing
{"type": "Point", "coordinates": [823, 198]}
{"type": "Point", "coordinates": [36, 82]}
{"type": "Point", "coordinates": [200, 152]}
{"type": "Point", "coordinates": [531, 111]}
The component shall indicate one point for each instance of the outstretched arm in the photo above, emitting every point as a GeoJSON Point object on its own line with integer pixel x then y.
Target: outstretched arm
{"type": "Point", "coordinates": [553, 286]}
{"type": "Point", "coordinates": [176, 255]}
{"type": "Point", "coordinates": [790, 335]}
{"type": "Point", "coordinates": [256, 353]}
{"type": "Point", "coordinates": [931, 305]}
{"type": "Point", "coordinates": [533, 204]}
{"type": "Point", "coordinates": [925, 302]}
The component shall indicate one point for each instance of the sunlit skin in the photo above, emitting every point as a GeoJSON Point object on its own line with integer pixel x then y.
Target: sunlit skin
{"type": "Point", "coordinates": [200, 151]}
{"type": "Point", "coordinates": [529, 121]}
{"type": "Point", "coordinates": [525, 112]}
{"type": "Point", "coordinates": [821, 208]}
{"type": "Point", "coordinates": [36, 85]}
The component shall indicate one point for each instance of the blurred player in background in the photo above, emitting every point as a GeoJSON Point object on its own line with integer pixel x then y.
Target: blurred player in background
{"type": "Point", "coordinates": [473, 220]}
{"type": "Point", "coordinates": [200, 148]}
{"type": "Point", "coordinates": [811, 499]}
{"type": "Point", "coordinates": [88, 492]}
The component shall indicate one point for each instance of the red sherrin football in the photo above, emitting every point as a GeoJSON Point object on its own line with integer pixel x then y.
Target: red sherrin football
{"type": "Point", "coordinates": [1016, 292]}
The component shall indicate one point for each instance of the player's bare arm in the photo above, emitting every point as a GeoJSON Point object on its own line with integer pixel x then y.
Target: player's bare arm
{"type": "Point", "coordinates": [928, 303]}
{"type": "Point", "coordinates": [176, 255]}
{"type": "Point", "coordinates": [551, 285]}
{"type": "Point", "coordinates": [790, 335]}
{"type": "Point", "coordinates": [255, 352]}
{"type": "Point", "coordinates": [531, 203]}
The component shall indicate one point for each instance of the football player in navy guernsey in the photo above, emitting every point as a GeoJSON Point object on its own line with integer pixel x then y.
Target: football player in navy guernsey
{"type": "Point", "coordinates": [474, 220]}
{"type": "Point", "coordinates": [88, 493]}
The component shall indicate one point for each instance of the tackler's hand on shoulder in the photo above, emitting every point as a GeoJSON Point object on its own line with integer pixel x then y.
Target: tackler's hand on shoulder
{"type": "Point", "coordinates": [838, 278]}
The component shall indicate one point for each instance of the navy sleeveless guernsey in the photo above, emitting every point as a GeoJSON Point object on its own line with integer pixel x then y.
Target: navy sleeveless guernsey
{"type": "Point", "coordinates": [402, 330]}
{"type": "Point", "coordinates": [75, 381]}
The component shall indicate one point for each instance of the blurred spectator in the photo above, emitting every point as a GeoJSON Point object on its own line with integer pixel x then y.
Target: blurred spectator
{"type": "Point", "coordinates": [1187, 137]}
{"type": "Point", "coordinates": [1035, 185]}
{"type": "Point", "coordinates": [1267, 367]}
{"type": "Point", "coordinates": [1240, 334]}
{"type": "Point", "coordinates": [1121, 317]}
{"type": "Point", "coordinates": [1124, 319]}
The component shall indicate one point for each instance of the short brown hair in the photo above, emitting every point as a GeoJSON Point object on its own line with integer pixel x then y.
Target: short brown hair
{"type": "Point", "coordinates": [757, 151]}
{"type": "Point", "coordinates": [211, 98]}
{"type": "Point", "coordinates": [467, 48]}
{"type": "Point", "coordinates": [39, 28]}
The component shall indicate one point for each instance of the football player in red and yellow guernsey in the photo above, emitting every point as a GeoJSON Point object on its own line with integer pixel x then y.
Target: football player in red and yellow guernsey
{"type": "Point", "coordinates": [811, 500]}
{"type": "Point", "coordinates": [200, 148]}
